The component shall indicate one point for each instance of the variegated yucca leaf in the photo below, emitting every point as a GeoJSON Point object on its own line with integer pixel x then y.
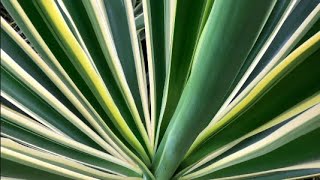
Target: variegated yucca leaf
{"type": "Point", "coordinates": [160, 89]}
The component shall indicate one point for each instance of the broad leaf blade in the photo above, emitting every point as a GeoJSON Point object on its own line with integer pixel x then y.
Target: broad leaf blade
{"type": "Point", "coordinates": [198, 104]}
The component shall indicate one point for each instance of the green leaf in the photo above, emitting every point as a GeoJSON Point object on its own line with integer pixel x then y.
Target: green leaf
{"type": "Point", "coordinates": [104, 35]}
{"type": "Point", "coordinates": [56, 160]}
{"type": "Point", "coordinates": [31, 83]}
{"type": "Point", "coordinates": [304, 170]}
{"type": "Point", "coordinates": [220, 152]}
{"type": "Point", "coordinates": [153, 12]}
{"type": "Point", "coordinates": [148, 89]}
{"type": "Point", "coordinates": [275, 22]}
{"type": "Point", "coordinates": [82, 20]}
{"type": "Point", "coordinates": [179, 52]}
{"type": "Point", "coordinates": [11, 169]}
{"type": "Point", "coordinates": [269, 95]}
{"type": "Point", "coordinates": [202, 97]}
{"type": "Point", "coordinates": [294, 149]}
{"type": "Point", "coordinates": [82, 63]}
{"type": "Point", "coordinates": [15, 9]}
{"type": "Point", "coordinates": [296, 24]}
{"type": "Point", "coordinates": [25, 136]}
{"type": "Point", "coordinates": [14, 91]}
{"type": "Point", "coordinates": [301, 125]}
{"type": "Point", "coordinates": [109, 162]}
{"type": "Point", "coordinates": [283, 43]}
{"type": "Point", "coordinates": [76, 98]}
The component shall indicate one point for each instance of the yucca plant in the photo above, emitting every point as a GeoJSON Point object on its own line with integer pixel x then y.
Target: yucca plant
{"type": "Point", "coordinates": [160, 89]}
